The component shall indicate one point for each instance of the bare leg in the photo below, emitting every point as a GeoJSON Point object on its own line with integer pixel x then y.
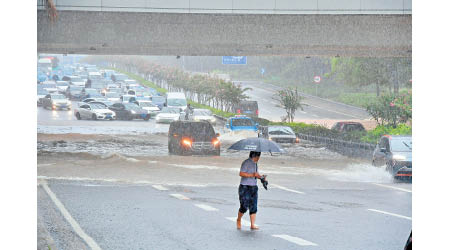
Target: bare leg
{"type": "Point", "coordinates": [252, 221]}
{"type": "Point", "coordinates": [238, 221]}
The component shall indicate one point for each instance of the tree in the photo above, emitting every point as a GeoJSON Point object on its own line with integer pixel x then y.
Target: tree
{"type": "Point", "coordinates": [290, 100]}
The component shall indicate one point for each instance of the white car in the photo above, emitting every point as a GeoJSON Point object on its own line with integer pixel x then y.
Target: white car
{"type": "Point", "coordinates": [202, 115]}
{"type": "Point", "coordinates": [112, 96]}
{"type": "Point", "coordinates": [62, 86]}
{"type": "Point", "coordinates": [152, 109]}
{"type": "Point", "coordinates": [94, 111]}
{"type": "Point", "coordinates": [168, 115]}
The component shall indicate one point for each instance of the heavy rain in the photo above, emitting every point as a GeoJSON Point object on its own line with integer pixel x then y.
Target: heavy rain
{"type": "Point", "coordinates": [224, 125]}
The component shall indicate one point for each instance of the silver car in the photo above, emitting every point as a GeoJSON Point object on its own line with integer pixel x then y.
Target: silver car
{"type": "Point", "coordinates": [94, 111]}
{"type": "Point", "coordinates": [203, 115]}
{"type": "Point", "coordinates": [279, 134]}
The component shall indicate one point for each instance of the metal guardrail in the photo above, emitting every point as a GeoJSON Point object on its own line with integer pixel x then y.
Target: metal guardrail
{"type": "Point", "coordinates": [239, 6]}
{"type": "Point", "coordinates": [348, 148]}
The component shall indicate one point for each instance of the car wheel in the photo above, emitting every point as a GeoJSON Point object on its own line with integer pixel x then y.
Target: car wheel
{"type": "Point", "coordinates": [77, 115]}
{"type": "Point", "coordinates": [217, 153]}
{"type": "Point", "coordinates": [147, 118]}
{"type": "Point", "coordinates": [94, 117]}
{"type": "Point", "coordinates": [170, 148]}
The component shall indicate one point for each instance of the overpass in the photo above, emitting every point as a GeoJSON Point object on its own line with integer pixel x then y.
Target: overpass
{"type": "Point", "coordinates": [374, 28]}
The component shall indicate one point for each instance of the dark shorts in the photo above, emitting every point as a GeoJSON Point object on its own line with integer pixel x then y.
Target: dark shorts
{"type": "Point", "coordinates": [248, 197]}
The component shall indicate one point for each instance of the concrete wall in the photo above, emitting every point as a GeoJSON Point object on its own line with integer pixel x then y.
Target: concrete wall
{"type": "Point", "coordinates": [89, 32]}
{"type": "Point", "coordinates": [241, 6]}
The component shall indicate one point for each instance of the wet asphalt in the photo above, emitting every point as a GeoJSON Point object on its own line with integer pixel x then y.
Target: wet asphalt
{"type": "Point", "coordinates": [124, 216]}
{"type": "Point", "coordinates": [104, 174]}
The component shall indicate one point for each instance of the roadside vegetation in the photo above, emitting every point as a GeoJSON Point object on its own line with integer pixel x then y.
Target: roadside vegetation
{"type": "Point", "coordinates": [389, 104]}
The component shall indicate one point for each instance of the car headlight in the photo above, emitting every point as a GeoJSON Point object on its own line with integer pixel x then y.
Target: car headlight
{"type": "Point", "coordinates": [213, 119]}
{"type": "Point", "coordinates": [133, 112]}
{"type": "Point", "coordinates": [176, 118]}
{"type": "Point", "coordinates": [399, 157]}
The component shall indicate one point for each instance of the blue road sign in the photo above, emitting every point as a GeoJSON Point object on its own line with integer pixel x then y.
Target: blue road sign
{"type": "Point", "coordinates": [242, 60]}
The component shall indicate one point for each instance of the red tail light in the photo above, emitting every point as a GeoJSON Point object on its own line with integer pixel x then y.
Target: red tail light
{"type": "Point", "coordinates": [238, 111]}
{"type": "Point", "coordinates": [257, 112]}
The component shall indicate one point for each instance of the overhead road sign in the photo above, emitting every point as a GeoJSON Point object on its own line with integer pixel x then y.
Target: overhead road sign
{"type": "Point", "coordinates": [239, 60]}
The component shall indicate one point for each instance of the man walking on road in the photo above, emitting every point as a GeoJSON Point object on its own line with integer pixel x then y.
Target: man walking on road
{"type": "Point", "coordinates": [248, 189]}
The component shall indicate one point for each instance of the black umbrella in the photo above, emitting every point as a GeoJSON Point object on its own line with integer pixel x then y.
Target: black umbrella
{"type": "Point", "coordinates": [258, 145]}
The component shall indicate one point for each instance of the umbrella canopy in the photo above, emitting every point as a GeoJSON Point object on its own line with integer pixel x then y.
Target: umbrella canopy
{"type": "Point", "coordinates": [258, 145]}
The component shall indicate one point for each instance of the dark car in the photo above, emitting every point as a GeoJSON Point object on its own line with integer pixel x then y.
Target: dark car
{"type": "Point", "coordinates": [344, 127]}
{"type": "Point", "coordinates": [279, 134]}
{"type": "Point", "coordinates": [74, 92]}
{"type": "Point", "coordinates": [55, 101]}
{"type": "Point", "coordinates": [248, 108]}
{"type": "Point", "coordinates": [396, 153]}
{"type": "Point", "coordinates": [129, 111]}
{"type": "Point", "coordinates": [90, 93]}
{"type": "Point", "coordinates": [193, 137]}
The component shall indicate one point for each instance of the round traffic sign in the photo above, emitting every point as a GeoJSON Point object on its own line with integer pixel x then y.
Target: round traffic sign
{"type": "Point", "coordinates": [317, 79]}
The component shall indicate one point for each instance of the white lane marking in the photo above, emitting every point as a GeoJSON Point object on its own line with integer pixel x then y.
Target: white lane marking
{"type": "Point", "coordinates": [206, 207]}
{"type": "Point", "coordinates": [180, 196]}
{"type": "Point", "coordinates": [296, 240]}
{"type": "Point", "coordinates": [243, 222]}
{"type": "Point", "coordinates": [159, 187]}
{"type": "Point", "coordinates": [396, 188]}
{"type": "Point", "coordinates": [76, 227]}
{"type": "Point", "coordinates": [45, 164]}
{"type": "Point", "coordinates": [392, 214]}
{"type": "Point", "coordinates": [287, 189]}
{"type": "Point", "coordinates": [40, 177]}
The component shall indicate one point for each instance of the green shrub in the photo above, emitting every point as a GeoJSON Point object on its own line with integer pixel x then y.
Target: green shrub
{"type": "Point", "coordinates": [374, 135]}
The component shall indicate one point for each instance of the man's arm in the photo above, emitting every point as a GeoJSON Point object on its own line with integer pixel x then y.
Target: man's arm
{"type": "Point", "coordinates": [244, 174]}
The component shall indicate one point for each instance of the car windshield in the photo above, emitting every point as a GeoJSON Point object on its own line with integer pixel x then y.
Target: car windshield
{"type": "Point", "coordinates": [106, 103]}
{"type": "Point", "coordinates": [202, 112]}
{"type": "Point", "coordinates": [48, 86]}
{"type": "Point", "coordinates": [200, 131]}
{"type": "Point", "coordinates": [62, 83]}
{"type": "Point", "coordinates": [58, 97]}
{"type": "Point", "coordinates": [146, 104]}
{"type": "Point", "coordinates": [42, 92]}
{"type": "Point", "coordinates": [280, 131]}
{"type": "Point", "coordinates": [112, 94]}
{"type": "Point", "coordinates": [76, 79]}
{"type": "Point", "coordinates": [241, 122]}
{"type": "Point", "coordinates": [158, 99]}
{"type": "Point", "coordinates": [76, 88]}
{"type": "Point", "coordinates": [131, 106]}
{"type": "Point", "coordinates": [98, 106]}
{"type": "Point", "coordinates": [176, 102]}
{"type": "Point", "coordinates": [91, 91]}
{"type": "Point", "coordinates": [401, 145]}
{"type": "Point", "coordinates": [170, 110]}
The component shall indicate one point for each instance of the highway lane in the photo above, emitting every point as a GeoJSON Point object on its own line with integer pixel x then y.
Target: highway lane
{"type": "Point", "coordinates": [315, 108]}
{"type": "Point", "coordinates": [130, 216]}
